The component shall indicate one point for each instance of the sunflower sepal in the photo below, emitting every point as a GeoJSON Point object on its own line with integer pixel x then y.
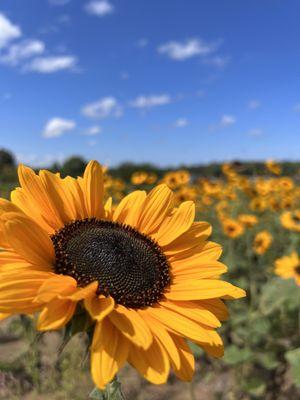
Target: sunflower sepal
{"type": "Point", "coordinates": [112, 391]}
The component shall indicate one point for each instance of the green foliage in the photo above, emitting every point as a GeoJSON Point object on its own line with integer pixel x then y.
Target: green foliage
{"type": "Point", "coordinates": [293, 358]}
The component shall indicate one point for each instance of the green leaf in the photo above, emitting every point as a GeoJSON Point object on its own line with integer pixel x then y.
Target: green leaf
{"type": "Point", "coordinates": [254, 386]}
{"type": "Point", "coordinates": [234, 355]}
{"type": "Point", "coordinates": [293, 358]}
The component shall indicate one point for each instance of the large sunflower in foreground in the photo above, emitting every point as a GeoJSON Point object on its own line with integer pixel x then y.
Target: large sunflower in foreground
{"type": "Point", "coordinates": [143, 271]}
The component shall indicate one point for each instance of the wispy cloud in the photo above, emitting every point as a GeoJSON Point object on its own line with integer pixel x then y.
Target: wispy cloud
{"type": "Point", "coordinates": [51, 64]}
{"type": "Point", "coordinates": [144, 102]}
{"type": "Point", "coordinates": [8, 31]}
{"type": "Point", "coordinates": [255, 132]}
{"type": "Point", "coordinates": [181, 123]}
{"type": "Point", "coordinates": [21, 51]}
{"type": "Point", "coordinates": [297, 107]}
{"type": "Point", "coordinates": [103, 108]}
{"type": "Point", "coordinates": [181, 51]}
{"type": "Point", "coordinates": [254, 104]}
{"type": "Point", "coordinates": [92, 131]}
{"type": "Point", "coordinates": [56, 127]}
{"type": "Point", "coordinates": [227, 120]}
{"type": "Point", "coordinates": [217, 61]}
{"type": "Point", "coordinates": [143, 42]}
{"type": "Point", "coordinates": [100, 8]}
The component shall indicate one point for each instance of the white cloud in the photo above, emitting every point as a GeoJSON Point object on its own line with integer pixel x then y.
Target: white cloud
{"type": "Point", "coordinates": [255, 132]}
{"type": "Point", "coordinates": [93, 131]}
{"type": "Point", "coordinates": [227, 120]}
{"type": "Point", "coordinates": [254, 104]}
{"type": "Point", "coordinates": [190, 48]}
{"type": "Point", "coordinates": [150, 101]}
{"type": "Point", "coordinates": [103, 108]}
{"type": "Point", "coordinates": [181, 123]}
{"type": "Point", "coordinates": [297, 107]}
{"type": "Point", "coordinates": [142, 43]}
{"type": "Point", "coordinates": [99, 8]}
{"type": "Point", "coordinates": [56, 127]}
{"type": "Point", "coordinates": [48, 65]}
{"type": "Point", "coordinates": [8, 31]}
{"type": "Point", "coordinates": [22, 50]}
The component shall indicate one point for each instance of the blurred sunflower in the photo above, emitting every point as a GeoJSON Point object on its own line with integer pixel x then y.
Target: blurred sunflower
{"type": "Point", "coordinates": [144, 272]}
{"type": "Point", "coordinates": [262, 242]}
{"type": "Point", "coordinates": [291, 220]}
{"type": "Point", "coordinates": [232, 228]}
{"type": "Point", "coordinates": [288, 267]}
{"type": "Point", "coordinates": [273, 167]}
{"type": "Point", "coordinates": [248, 220]}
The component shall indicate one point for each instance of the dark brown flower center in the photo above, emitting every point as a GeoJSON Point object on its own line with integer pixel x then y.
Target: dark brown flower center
{"type": "Point", "coordinates": [128, 265]}
{"type": "Point", "coordinates": [297, 270]}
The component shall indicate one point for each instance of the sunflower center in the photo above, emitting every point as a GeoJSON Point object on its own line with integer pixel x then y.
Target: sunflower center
{"type": "Point", "coordinates": [128, 265]}
{"type": "Point", "coordinates": [297, 270]}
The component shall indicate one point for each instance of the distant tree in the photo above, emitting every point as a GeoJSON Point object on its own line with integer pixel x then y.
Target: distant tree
{"type": "Point", "coordinates": [73, 166]}
{"type": "Point", "coordinates": [7, 159]}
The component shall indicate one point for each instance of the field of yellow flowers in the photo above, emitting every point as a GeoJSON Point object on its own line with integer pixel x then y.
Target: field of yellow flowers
{"type": "Point", "coordinates": [257, 221]}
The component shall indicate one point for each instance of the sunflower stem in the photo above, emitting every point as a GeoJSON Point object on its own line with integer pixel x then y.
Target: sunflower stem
{"type": "Point", "coordinates": [112, 391]}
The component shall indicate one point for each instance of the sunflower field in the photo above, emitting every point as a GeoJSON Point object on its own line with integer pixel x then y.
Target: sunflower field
{"type": "Point", "coordinates": [256, 219]}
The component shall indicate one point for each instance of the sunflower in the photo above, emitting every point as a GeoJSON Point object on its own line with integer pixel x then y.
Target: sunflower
{"type": "Point", "coordinates": [248, 220]}
{"type": "Point", "coordinates": [291, 220]}
{"type": "Point", "coordinates": [144, 271]}
{"type": "Point", "coordinates": [262, 242]}
{"type": "Point", "coordinates": [273, 167]}
{"type": "Point", "coordinates": [232, 228]}
{"type": "Point", "coordinates": [288, 267]}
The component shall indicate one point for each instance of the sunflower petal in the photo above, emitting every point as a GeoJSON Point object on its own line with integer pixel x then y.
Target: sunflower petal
{"type": "Point", "coordinates": [175, 225]}
{"type": "Point", "coordinates": [132, 326]}
{"type": "Point", "coordinates": [129, 209]}
{"type": "Point", "coordinates": [56, 315]}
{"type": "Point", "coordinates": [94, 189]}
{"type": "Point", "coordinates": [109, 355]}
{"type": "Point", "coordinates": [153, 363]}
{"type": "Point", "coordinates": [155, 209]}
{"type": "Point", "coordinates": [179, 324]}
{"type": "Point", "coordinates": [28, 239]}
{"type": "Point", "coordinates": [99, 307]}
{"type": "Point", "coordinates": [203, 289]}
{"type": "Point", "coordinates": [56, 286]}
{"type": "Point", "coordinates": [187, 361]}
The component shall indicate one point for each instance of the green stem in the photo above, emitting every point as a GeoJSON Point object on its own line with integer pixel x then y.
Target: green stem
{"type": "Point", "coordinates": [112, 391]}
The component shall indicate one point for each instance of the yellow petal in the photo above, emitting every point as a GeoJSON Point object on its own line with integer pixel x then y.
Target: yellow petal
{"type": "Point", "coordinates": [108, 209]}
{"type": "Point", "coordinates": [155, 209]}
{"type": "Point", "coordinates": [56, 315]}
{"type": "Point", "coordinates": [94, 189]}
{"type": "Point", "coordinates": [59, 198]}
{"type": "Point", "coordinates": [132, 326]}
{"type": "Point", "coordinates": [193, 311]}
{"type": "Point", "coordinates": [197, 234]}
{"type": "Point", "coordinates": [37, 197]}
{"type": "Point", "coordinates": [99, 306]}
{"type": "Point", "coordinates": [175, 225]}
{"type": "Point", "coordinates": [179, 324]}
{"type": "Point", "coordinates": [5, 206]}
{"type": "Point", "coordinates": [165, 339]}
{"type": "Point", "coordinates": [110, 355]}
{"type": "Point", "coordinates": [202, 290]}
{"type": "Point", "coordinates": [153, 364]}
{"type": "Point", "coordinates": [28, 240]}
{"type": "Point", "coordinates": [187, 361]}
{"type": "Point", "coordinates": [18, 290]}
{"type": "Point", "coordinates": [216, 306]}
{"type": "Point", "coordinates": [56, 286]}
{"type": "Point", "coordinates": [129, 209]}
{"type": "Point", "coordinates": [193, 269]}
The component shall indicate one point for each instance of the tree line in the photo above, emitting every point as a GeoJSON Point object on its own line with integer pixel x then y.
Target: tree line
{"type": "Point", "coordinates": [75, 165]}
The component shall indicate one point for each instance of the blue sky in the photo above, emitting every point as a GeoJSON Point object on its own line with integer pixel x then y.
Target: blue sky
{"type": "Point", "coordinates": [167, 82]}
